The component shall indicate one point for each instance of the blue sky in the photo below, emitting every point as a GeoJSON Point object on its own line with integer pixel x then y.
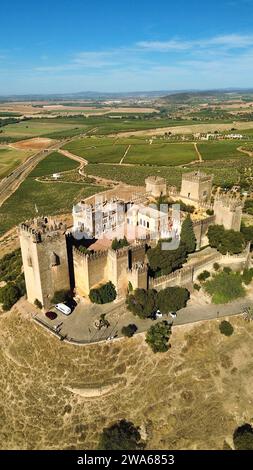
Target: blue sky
{"type": "Point", "coordinates": [108, 45]}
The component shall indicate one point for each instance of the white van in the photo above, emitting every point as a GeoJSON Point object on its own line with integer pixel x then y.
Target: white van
{"type": "Point", "coordinates": [63, 309]}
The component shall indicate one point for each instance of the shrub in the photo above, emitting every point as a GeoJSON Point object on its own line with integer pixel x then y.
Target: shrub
{"type": "Point", "coordinates": [9, 295]}
{"type": "Point", "coordinates": [104, 294]}
{"type": "Point", "coordinates": [120, 436]}
{"type": "Point", "coordinates": [60, 296]}
{"type": "Point", "coordinates": [117, 244]}
{"type": "Point", "coordinates": [216, 266]}
{"type": "Point", "coordinates": [10, 266]}
{"type": "Point", "coordinates": [38, 304]}
{"type": "Point", "coordinates": [129, 330]}
{"type": "Point", "coordinates": [243, 437]}
{"type": "Point", "coordinates": [209, 212]}
{"type": "Point", "coordinates": [225, 287]}
{"type": "Point", "coordinates": [196, 286]}
{"type": "Point", "coordinates": [142, 302]}
{"type": "Point", "coordinates": [158, 336]}
{"type": "Point", "coordinates": [203, 276]}
{"type": "Point", "coordinates": [247, 276]}
{"type": "Point", "coordinates": [172, 299]}
{"type": "Point", "coordinates": [227, 269]}
{"type": "Point", "coordinates": [226, 328]}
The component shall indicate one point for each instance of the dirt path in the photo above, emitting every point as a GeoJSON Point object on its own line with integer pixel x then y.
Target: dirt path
{"type": "Point", "coordinates": [125, 154]}
{"type": "Point", "coordinates": [247, 152]}
{"type": "Point", "coordinates": [68, 154]}
{"type": "Point", "coordinates": [198, 152]}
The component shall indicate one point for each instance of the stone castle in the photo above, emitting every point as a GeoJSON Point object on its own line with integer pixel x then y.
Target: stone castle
{"type": "Point", "coordinates": [52, 260]}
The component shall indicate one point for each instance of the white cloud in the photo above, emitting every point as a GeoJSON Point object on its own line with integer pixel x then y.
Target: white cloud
{"type": "Point", "coordinates": [228, 41]}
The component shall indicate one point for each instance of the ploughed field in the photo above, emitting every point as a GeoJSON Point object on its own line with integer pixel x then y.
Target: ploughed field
{"type": "Point", "coordinates": [58, 396]}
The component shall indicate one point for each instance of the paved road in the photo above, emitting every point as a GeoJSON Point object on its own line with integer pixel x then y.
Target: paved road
{"type": "Point", "coordinates": [79, 326]}
{"type": "Point", "coordinates": [11, 182]}
{"type": "Point", "coordinates": [209, 312]}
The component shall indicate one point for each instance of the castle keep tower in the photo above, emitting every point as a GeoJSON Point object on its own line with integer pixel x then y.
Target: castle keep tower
{"type": "Point", "coordinates": [228, 212]}
{"type": "Point", "coordinates": [156, 186]}
{"type": "Point", "coordinates": [196, 186]}
{"type": "Point", "coordinates": [45, 259]}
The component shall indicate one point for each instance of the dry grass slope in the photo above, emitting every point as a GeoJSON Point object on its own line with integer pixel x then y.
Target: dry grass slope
{"type": "Point", "coordinates": [189, 398]}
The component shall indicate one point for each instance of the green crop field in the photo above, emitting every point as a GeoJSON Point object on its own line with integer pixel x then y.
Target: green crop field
{"type": "Point", "coordinates": [10, 159]}
{"type": "Point", "coordinates": [49, 198]}
{"type": "Point", "coordinates": [219, 150]}
{"type": "Point", "coordinates": [108, 150]}
{"type": "Point", "coordinates": [98, 150]}
{"type": "Point", "coordinates": [43, 127]}
{"type": "Point", "coordinates": [54, 163]}
{"type": "Point", "coordinates": [161, 154]}
{"type": "Point", "coordinates": [135, 176]}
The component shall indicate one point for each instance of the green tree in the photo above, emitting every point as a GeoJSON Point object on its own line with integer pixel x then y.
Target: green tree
{"type": "Point", "coordinates": [158, 336]}
{"type": "Point", "coordinates": [226, 328]}
{"type": "Point", "coordinates": [122, 435]}
{"type": "Point", "coordinates": [172, 299]}
{"type": "Point", "coordinates": [142, 302]}
{"type": "Point", "coordinates": [203, 276]}
{"type": "Point", "coordinates": [129, 330]}
{"type": "Point", "coordinates": [9, 295]}
{"type": "Point", "coordinates": [117, 244]}
{"type": "Point", "coordinates": [243, 437]}
{"type": "Point", "coordinates": [187, 235]}
{"type": "Point", "coordinates": [225, 241]}
{"type": "Point", "coordinates": [103, 294]}
{"type": "Point", "coordinates": [165, 261]}
{"type": "Point", "coordinates": [247, 232]}
{"type": "Point", "coordinates": [247, 276]}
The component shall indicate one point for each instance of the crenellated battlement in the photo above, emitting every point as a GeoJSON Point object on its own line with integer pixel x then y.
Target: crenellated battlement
{"type": "Point", "coordinates": [90, 255]}
{"type": "Point", "coordinates": [231, 203]}
{"type": "Point", "coordinates": [138, 268]}
{"type": "Point", "coordinates": [42, 228]}
{"type": "Point", "coordinates": [196, 176]}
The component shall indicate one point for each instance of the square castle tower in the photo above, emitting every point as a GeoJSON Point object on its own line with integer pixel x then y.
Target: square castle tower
{"type": "Point", "coordinates": [196, 186]}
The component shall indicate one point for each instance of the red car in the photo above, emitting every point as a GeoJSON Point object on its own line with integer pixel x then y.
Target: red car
{"type": "Point", "coordinates": [51, 315]}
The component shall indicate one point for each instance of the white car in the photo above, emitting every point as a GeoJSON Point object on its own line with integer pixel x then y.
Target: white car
{"type": "Point", "coordinates": [158, 314]}
{"type": "Point", "coordinates": [173, 314]}
{"type": "Point", "coordinates": [63, 309]}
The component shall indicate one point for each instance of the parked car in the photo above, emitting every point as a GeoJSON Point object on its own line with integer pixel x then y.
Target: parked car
{"type": "Point", "coordinates": [51, 315]}
{"type": "Point", "coordinates": [158, 314]}
{"type": "Point", "coordinates": [63, 309]}
{"type": "Point", "coordinates": [173, 314]}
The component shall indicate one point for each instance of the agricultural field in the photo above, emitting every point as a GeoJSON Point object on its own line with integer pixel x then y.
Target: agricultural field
{"type": "Point", "coordinates": [97, 150]}
{"type": "Point", "coordinates": [219, 150]}
{"type": "Point", "coordinates": [53, 128]}
{"type": "Point", "coordinates": [138, 151]}
{"type": "Point", "coordinates": [10, 158]}
{"type": "Point", "coordinates": [135, 175]}
{"type": "Point", "coordinates": [54, 163]}
{"type": "Point", "coordinates": [161, 154]}
{"type": "Point", "coordinates": [39, 198]}
{"type": "Point", "coordinates": [46, 402]}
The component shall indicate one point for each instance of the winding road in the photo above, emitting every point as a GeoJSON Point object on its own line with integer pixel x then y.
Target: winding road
{"type": "Point", "coordinates": [11, 182]}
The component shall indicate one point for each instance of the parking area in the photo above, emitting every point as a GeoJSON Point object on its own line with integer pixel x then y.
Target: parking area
{"type": "Point", "coordinates": [80, 325]}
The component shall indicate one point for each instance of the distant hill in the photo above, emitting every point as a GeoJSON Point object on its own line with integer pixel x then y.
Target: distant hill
{"type": "Point", "coordinates": [195, 96]}
{"type": "Point", "coordinates": [180, 96]}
